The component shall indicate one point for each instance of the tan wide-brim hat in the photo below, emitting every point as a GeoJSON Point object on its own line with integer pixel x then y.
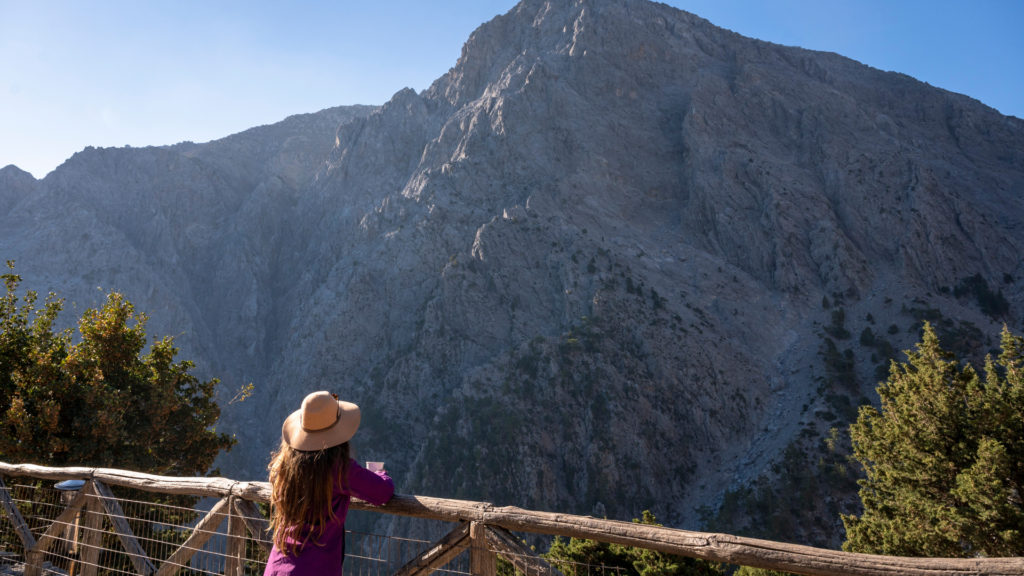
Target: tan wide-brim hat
{"type": "Point", "coordinates": [322, 422]}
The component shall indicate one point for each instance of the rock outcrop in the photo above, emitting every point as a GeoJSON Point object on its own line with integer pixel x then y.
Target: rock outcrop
{"type": "Point", "coordinates": [582, 271]}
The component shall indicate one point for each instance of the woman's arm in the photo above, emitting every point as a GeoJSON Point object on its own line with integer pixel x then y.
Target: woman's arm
{"type": "Point", "coordinates": [373, 487]}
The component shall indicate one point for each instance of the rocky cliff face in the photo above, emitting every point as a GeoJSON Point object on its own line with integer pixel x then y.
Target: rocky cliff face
{"type": "Point", "coordinates": [582, 271]}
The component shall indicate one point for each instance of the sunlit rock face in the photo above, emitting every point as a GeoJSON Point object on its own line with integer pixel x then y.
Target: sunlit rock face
{"type": "Point", "coordinates": [583, 271]}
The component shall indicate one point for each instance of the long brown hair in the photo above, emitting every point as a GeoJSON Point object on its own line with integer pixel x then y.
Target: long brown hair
{"type": "Point", "coordinates": [302, 484]}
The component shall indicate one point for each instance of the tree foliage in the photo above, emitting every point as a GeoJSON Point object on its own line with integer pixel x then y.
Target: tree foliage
{"type": "Point", "coordinates": [634, 561]}
{"type": "Point", "coordinates": [102, 401]}
{"type": "Point", "coordinates": [991, 302]}
{"type": "Point", "coordinates": [944, 457]}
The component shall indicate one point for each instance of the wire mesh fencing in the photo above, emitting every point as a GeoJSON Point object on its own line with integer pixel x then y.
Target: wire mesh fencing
{"type": "Point", "coordinates": [377, 555]}
{"type": "Point", "coordinates": [528, 565]}
{"type": "Point", "coordinates": [87, 543]}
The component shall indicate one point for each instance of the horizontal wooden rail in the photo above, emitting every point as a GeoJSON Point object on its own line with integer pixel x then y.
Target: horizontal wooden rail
{"type": "Point", "coordinates": [716, 547]}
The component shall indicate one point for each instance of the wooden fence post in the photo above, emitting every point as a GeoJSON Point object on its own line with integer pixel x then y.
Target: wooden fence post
{"type": "Point", "coordinates": [92, 533]}
{"type": "Point", "coordinates": [124, 532]}
{"type": "Point", "coordinates": [482, 560]}
{"type": "Point", "coordinates": [258, 526]}
{"type": "Point", "coordinates": [17, 520]}
{"type": "Point", "coordinates": [34, 557]}
{"type": "Point", "coordinates": [203, 531]}
{"type": "Point", "coordinates": [235, 563]}
{"type": "Point", "coordinates": [439, 554]}
{"type": "Point", "coordinates": [522, 558]}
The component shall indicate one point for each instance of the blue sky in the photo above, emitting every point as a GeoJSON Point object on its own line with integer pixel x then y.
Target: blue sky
{"type": "Point", "coordinates": [74, 74]}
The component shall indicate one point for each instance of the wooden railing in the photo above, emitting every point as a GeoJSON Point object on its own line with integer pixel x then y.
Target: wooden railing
{"type": "Point", "coordinates": [481, 527]}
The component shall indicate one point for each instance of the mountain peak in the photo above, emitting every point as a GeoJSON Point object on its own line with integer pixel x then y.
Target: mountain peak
{"type": "Point", "coordinates": [13, 172]}
{"type": "Point", "coordinates": [15, 185]}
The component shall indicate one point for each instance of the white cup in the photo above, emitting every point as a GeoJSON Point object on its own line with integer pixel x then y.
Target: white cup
{"type": "Point", "coordinates": [375, 466]}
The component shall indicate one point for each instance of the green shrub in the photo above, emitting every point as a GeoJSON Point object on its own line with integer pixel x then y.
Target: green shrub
{"type": "Point", "coordinates": [838, 328]}
{"type": "Point", "coordinates": [838, 365]}
{"type": "Point", "coordinates": [104, 401]}
{"type": "Point", "coordinates": [993, 304]}
{"type": "Point", "coordinates": [634, 561]}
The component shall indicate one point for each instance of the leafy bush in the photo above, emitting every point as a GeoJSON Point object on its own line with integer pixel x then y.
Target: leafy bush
{"type": "Point", "coordinates": [100, 402]}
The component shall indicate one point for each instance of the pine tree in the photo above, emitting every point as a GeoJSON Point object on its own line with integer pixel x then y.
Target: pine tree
{"type": "Point", "coordinates": [944, 457]}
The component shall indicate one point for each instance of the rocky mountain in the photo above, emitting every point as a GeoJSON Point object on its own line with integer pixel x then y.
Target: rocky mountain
{"type": "Point", "coordinates": [15, 185]}
{"type": "Point", "coordinates": [583, 271]}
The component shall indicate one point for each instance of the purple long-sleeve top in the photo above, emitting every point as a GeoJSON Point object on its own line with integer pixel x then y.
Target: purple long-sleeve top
{"type": "Point", "coordinates": [327, 554]}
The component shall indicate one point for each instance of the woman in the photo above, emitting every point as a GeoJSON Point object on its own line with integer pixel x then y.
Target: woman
{"type": "Point", "coordinates": [312, 480]}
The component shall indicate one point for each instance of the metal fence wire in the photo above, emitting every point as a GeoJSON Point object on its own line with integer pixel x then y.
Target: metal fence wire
{"type": "Point", "coordinates": [88, 544]}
